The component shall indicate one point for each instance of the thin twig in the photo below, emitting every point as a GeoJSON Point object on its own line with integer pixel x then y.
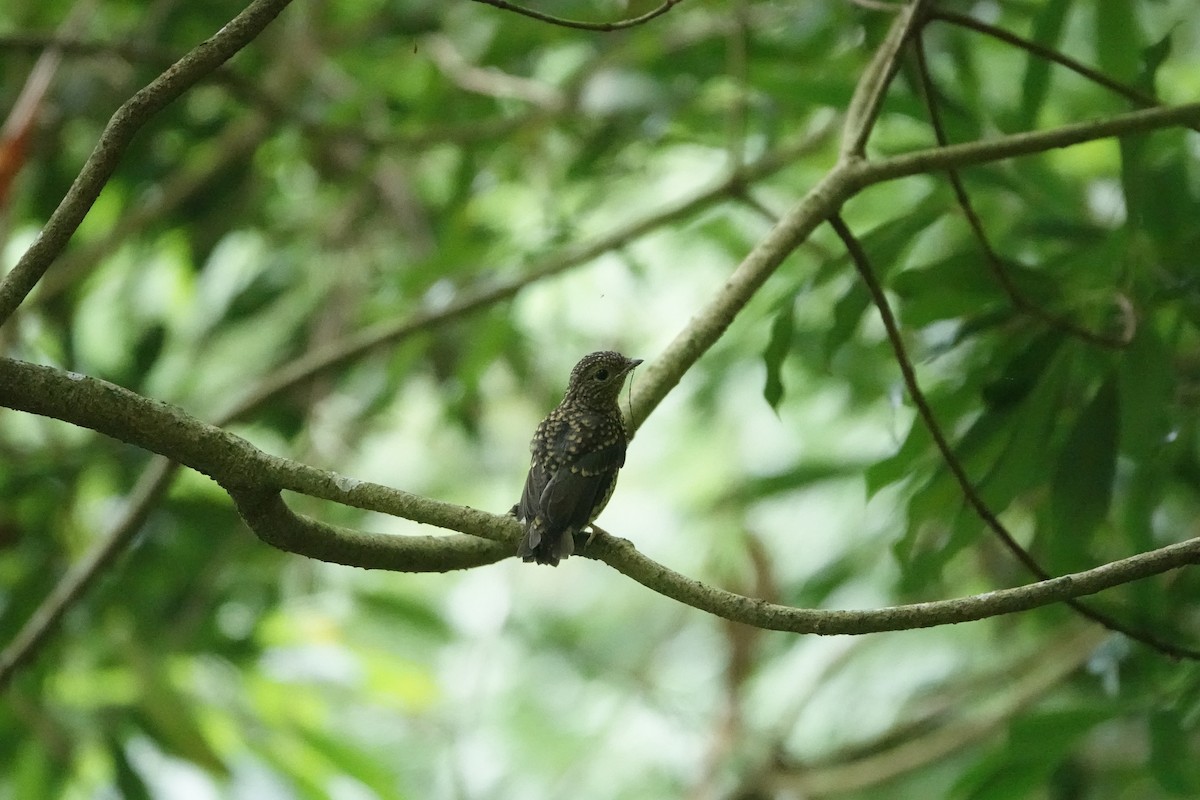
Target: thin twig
{"type": "Point", "coordinates": [583, 26]}
{"type": "Point", "coordinates": [991, 257]}
{"type": "Point", "coordinates": [1133, 94]}
{"type": "Point", "coordinates": [861, 262]}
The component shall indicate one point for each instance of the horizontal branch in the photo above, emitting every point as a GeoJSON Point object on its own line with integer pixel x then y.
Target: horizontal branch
{"type": "Point", "coordinates": [253, 478]}
{"type": "Point", "coordinates": [1020, 144]}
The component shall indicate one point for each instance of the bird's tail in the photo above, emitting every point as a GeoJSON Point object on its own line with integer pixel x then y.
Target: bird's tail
{"type": "Point", "coordinates": [543, 547]}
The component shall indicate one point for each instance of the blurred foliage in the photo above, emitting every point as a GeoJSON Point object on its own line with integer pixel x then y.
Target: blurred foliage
{"type": "Point", "coordinates": [366, 160]}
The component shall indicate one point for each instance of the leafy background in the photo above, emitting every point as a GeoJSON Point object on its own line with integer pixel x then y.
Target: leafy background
{"type": "Point", "coordinates": [364, 162]}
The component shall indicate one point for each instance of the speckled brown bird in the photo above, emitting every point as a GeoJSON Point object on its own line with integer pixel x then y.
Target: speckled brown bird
{"type": "Point", "coordinates": [577, 451]}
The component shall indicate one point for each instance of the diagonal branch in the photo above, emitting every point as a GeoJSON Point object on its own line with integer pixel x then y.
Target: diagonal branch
{"type": "Point", "coordinates": [872, 87]}
{"type": "Point", "coordinates": [228, 459]}
{"type": "Point", "coordinates": [862, 264]}
{"type": "Point", "coordinates": [487, 293]}
{"type": "Point", "coordinates": [124, 125]}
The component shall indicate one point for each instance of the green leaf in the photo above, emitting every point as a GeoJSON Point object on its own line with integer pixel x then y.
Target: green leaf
{"type": "Point", "coordinates": [129, 782]}
{"type": "Point", "coordinates": [954, 287]}
{"type": "Point", "coordinates": [1119, 39]}
{"type": "Point", "coordinates": [1147, 381]}
{"type": "Point", "coordinates": [1081, 490]}
{"type": "Point", "coordinates": [776, 351]}
{"type": "Point", "coordinates": [1047, 30]}
{"type": "Point", "coordinates": [1172, 759]}
{"type": "Point", "coordinates": [1035, 747]}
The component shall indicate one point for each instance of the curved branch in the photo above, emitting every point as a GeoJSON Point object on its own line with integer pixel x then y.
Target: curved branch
{"type": "Point", "coordinates": [862, 264]}
{"type": "Point", "coordinates": [124, 125]}
{"type": "Point", "coordinates": [228, 459]}
{"type": "Point", "coordinates": [254, 479]}
{"type": "Point", "coordinates": [264, 511]}
{"type": "Point", "coordinates": [583, 26]}
{"type": "Point", "coordinates": [621, 555]}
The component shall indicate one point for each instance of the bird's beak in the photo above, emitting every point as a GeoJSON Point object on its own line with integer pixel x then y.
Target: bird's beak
{"type": "Point", "coordinates": [630, 364]}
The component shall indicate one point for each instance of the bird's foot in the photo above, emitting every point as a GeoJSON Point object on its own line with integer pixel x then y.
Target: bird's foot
{"type": "Point", "coordinates": [596, 530]}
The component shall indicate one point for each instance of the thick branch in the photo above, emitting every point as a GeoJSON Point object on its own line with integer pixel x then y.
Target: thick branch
{"type": "Point", "coordinates": [277, 525]}
{"type": "Point", "coordinates": [228, 459]}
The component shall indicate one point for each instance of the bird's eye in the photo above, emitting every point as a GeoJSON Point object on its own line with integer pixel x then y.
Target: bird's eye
{"type": "Point", "coordinates": [602, 374]}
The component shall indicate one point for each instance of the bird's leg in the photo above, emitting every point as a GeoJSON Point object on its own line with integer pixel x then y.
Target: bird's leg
{"type": "Point", "coordinates": [595, 530]}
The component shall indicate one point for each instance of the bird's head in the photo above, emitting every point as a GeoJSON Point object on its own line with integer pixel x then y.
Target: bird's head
{"type": "Point", "coordinates": [598, 377]}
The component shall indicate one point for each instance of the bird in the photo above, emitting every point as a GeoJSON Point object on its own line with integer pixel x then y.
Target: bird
{"type": "Point", "coordinates": [575, 455]}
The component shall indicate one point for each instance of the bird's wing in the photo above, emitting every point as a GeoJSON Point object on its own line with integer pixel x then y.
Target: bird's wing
{"type": "Point", "coordinates": [535, 483]}
{"type": "Point", "coordinates": [571, 493]}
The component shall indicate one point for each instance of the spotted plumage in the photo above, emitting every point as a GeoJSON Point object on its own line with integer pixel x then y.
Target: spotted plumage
{"type": "Point", "coordinates": [577, 450]}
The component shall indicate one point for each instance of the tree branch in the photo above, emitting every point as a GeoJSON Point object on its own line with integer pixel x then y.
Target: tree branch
{"type": "Point", "coordinates": [485, 294]}
{"type": "Point", "coordinates": [872, 87]}
{"type": "Point", "coordinates": [583, 26]}
{"type": "Point", "coordinates": [621, 555]}
{"type": "Point", "coordinates": [268, 516]}
{"type": "Point", "coordinates": [228, 459]}
{"type": "Point", "coordinates": [157, 476]}
{"type": "Point", "coordinates": [1021, 144]}
{"type": "Point", "coordinates": [846, 179]}
{"type": "Point", "coordinates": [254, 478]}
{"type": "Point", "coordinates": [122, 127]}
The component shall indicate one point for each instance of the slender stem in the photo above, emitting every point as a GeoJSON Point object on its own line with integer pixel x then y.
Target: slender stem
{"type": "Point", "coordinates": [122, 127]}
{"type": "Point", "coordinates": [584, 26]}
